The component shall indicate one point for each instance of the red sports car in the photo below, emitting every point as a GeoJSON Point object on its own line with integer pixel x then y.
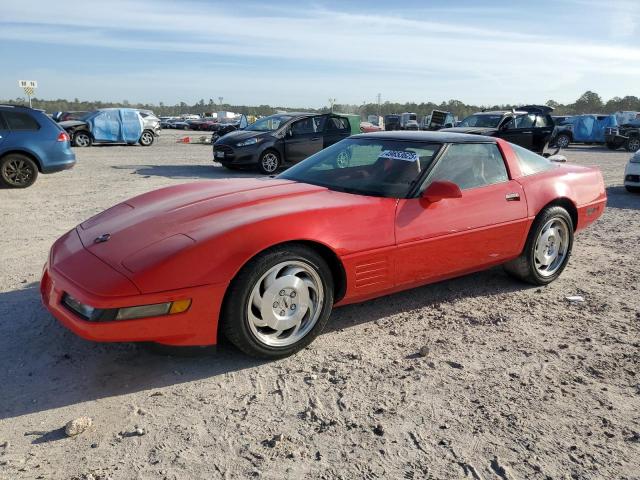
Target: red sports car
{"type": "Point", "coordinates": [263, 261]}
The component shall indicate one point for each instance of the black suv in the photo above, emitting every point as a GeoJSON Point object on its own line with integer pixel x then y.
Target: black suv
{"type": "Point", "coordinates": [280, 139]}
{"type": "Point", "coordinates": [530, 126]}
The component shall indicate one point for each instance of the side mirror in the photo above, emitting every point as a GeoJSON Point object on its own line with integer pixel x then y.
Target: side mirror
{"type": "Point", "coordinates": [441, 189]}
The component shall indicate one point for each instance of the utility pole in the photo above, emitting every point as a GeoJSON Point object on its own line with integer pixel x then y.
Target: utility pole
{"type": "Point", "coordinates": [379, 96]}
{"type": "Point", "coordinates": [332, 101]}
{"type": "Point", "coordinates": [220, 98]}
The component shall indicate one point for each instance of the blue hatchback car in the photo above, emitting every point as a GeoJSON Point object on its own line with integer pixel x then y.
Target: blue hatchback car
{"type": "Point", "coordinates": [30, 143]}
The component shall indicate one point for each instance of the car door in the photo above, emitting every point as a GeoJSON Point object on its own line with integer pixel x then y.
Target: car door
{"type": "Point", "coordinates": [542, 132]}
{"type": "Point", "coordinates": [336, 129]}
{"type": "Point", "coordinates": [302, 140]}
{"type": "Point", "coordinates": [519, 130]}
{"type": "Point", "coordinates": [486, 226]}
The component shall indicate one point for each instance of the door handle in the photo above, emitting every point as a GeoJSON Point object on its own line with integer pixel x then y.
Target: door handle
{"type": "Point", "coordinates": [315, 138]}
{"type": "Point", "coordinates": [512, 197]}
{"type": "Point", "coordinates": [528, 131]}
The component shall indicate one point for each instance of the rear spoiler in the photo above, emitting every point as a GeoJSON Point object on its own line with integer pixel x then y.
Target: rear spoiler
{"type": "Point", "coordinates": [544, 109]}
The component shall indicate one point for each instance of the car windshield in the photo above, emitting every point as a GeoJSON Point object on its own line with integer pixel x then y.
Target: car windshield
{"type": "Point", "coordinates": [269, 124]}
{"type": "Point", "coordinates": [375, 167]}
{"type": "Point", "coordinates": [484, 120]}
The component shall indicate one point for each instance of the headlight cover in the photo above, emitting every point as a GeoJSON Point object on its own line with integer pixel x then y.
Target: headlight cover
{"type": "Point", "coordinates": [246, 143]}
{"type": "Point", "coordinates": [126, 313]}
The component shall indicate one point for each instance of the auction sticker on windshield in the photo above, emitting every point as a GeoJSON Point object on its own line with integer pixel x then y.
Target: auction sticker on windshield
{"type": "Point", "coordinates": [400, 155]}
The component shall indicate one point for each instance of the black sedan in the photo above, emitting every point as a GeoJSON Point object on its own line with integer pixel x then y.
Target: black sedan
{"type": "Point", "coordinates": [279, 140]}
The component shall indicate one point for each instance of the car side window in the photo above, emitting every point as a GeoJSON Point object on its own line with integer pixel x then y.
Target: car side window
{"type": "Point", "coordinates": [3, 124]}
{"type": "Point", "coordinates": [318, 123]}
{"type": "Point", "coordinates": [530, 163]}
{"type": "Point", "coordinates": [525, 121]}
{"type": "Point", "coordinates": [20, 121]}
{"type": "Point", "coordinates": [542, 121]}
{"type": "Point", "coordinates": [470, 165]}
{"type": "Point", "coordinates": [337, 124]}
{"type": "Point", "coordinates": [302, 127]}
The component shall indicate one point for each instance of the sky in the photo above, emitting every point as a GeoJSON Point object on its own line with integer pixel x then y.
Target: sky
{"type": "Point", "coordinates": [301, 53]}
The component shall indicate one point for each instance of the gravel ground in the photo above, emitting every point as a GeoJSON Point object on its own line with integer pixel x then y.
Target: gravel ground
{"type": "Point", "coordinates": [480, 377]}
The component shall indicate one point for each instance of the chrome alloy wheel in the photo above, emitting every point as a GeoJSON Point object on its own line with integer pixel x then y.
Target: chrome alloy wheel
{"type": "Point", "coordinates": [270, 162]}
{"type": "Point", "coordinates": [551, 247]}
{"type": "Point", "coordinates": [146, 138]}
{"type": "Point", "coordinates": [285, 304]}
{"type": "Point", "coordinates": [82, 140]}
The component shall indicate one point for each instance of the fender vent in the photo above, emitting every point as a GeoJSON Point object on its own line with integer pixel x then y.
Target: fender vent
{"type": "Point", "coordinates": [372, 271]}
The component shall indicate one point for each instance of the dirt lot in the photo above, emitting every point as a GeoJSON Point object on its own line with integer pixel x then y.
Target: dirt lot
{"type": "Point", "coordinates": [517, 382]}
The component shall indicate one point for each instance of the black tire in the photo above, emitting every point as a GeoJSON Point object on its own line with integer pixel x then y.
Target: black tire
{"type": "Point", "coordinates": [147, 138]}
{"type": "Point", "coordinates": [632, 144]}
{"type": "Point", "coordinates": [632, 189]}
{"type": "Point", "coordinates": [17, 171]}
{"type": "Point", "coordinates": [235, 323]}
{"type": "Point", "coordinates": [82, 139]}
{"type": "Point", "coordinates": [523, 267]}
{"type": "Point", "coordinates": [612, 146]}
{"type": "Point", "coordinates": [563, 140]}
{"type": "Point", "coordinates": [269, 162]}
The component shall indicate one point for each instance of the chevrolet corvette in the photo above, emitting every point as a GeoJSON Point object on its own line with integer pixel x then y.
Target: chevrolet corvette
{"type": "Point", "coordinates": [264, 261]}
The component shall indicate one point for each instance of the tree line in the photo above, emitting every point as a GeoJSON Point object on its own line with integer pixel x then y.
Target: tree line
{"type": "Point", "coordinates": [588, 102]}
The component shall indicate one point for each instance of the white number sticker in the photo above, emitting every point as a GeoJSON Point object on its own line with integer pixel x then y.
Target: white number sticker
{"type": "Point", "coordinates": [400, 155]}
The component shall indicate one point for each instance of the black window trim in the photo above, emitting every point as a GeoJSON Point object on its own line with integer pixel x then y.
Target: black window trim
{"type": "Point", "coordinates": [3, 123]}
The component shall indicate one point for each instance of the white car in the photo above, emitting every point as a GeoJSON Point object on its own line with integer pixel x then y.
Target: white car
{"type": "Point", "coordinates": [632, 174]}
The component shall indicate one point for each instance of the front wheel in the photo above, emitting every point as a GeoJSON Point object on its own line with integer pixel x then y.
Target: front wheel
{"type": "Point", "coordinates": [547, 249]}
{"type": "Point", "coordinates": [269, 162]}
{"type": "Point", "coordinates": [18, 171]}
{"type": "Point", "coordinates": [146, 139]}
{"type": "Point", "coordinates": [632, 144]}
{"type": "Point", "coordinates": [279, 302]}
{"type": "Point", "coordinates": [563, 141]}
{"type": "Point", "coordinates": [82, 139]}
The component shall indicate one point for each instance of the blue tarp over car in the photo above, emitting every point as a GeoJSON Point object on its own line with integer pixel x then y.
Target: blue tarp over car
{"type": "Point", "coordinates": [590, 128]}
{"type": "Point", "coordinates": [118, 125]}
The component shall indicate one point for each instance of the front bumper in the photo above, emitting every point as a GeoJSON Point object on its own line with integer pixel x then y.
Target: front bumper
{"type": "Point", "coordinates": [632, 175]}
{"type": "Point", "coordinates": [248, 155]}
{"type": "Point", "coordinates": [196, 326]}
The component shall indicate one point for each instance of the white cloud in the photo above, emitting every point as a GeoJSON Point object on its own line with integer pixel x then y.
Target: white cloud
{"type": "Point", "coordinates": [407, 57]}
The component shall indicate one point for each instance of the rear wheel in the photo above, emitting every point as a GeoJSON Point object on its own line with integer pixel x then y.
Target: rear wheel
{"type": "Point", "coordinates": [82, 139]}
{"type": "Point", "coordinates": [563, 140]}
{"type": "Point", "coordinates": [547, 249]}
{"type": "Point", "coordinates": [279, 302]}
{"type": "Point", "coordinates": [269, 162]}
{"type": "Point", "coordinates": [146, 139]}
{"type": "Point", "coordinates": [632, 144]}
{"type": "Point", "coordinates": [18, 171]}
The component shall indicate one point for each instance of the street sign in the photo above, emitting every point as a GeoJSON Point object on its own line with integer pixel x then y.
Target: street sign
{"type": "Point", "coordinates": [27, 83]}
{"type": "Point", "coordinates": [29, 86]}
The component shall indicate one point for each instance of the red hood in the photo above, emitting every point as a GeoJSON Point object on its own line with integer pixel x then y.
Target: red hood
{"type": "Point", "coordinates": [180, 210]}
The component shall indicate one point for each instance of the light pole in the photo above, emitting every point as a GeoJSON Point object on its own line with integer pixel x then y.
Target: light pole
{"type": "Point", "coordinates": [332, 101]}
{"type": "Point", "coordinates": [220, 99]}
